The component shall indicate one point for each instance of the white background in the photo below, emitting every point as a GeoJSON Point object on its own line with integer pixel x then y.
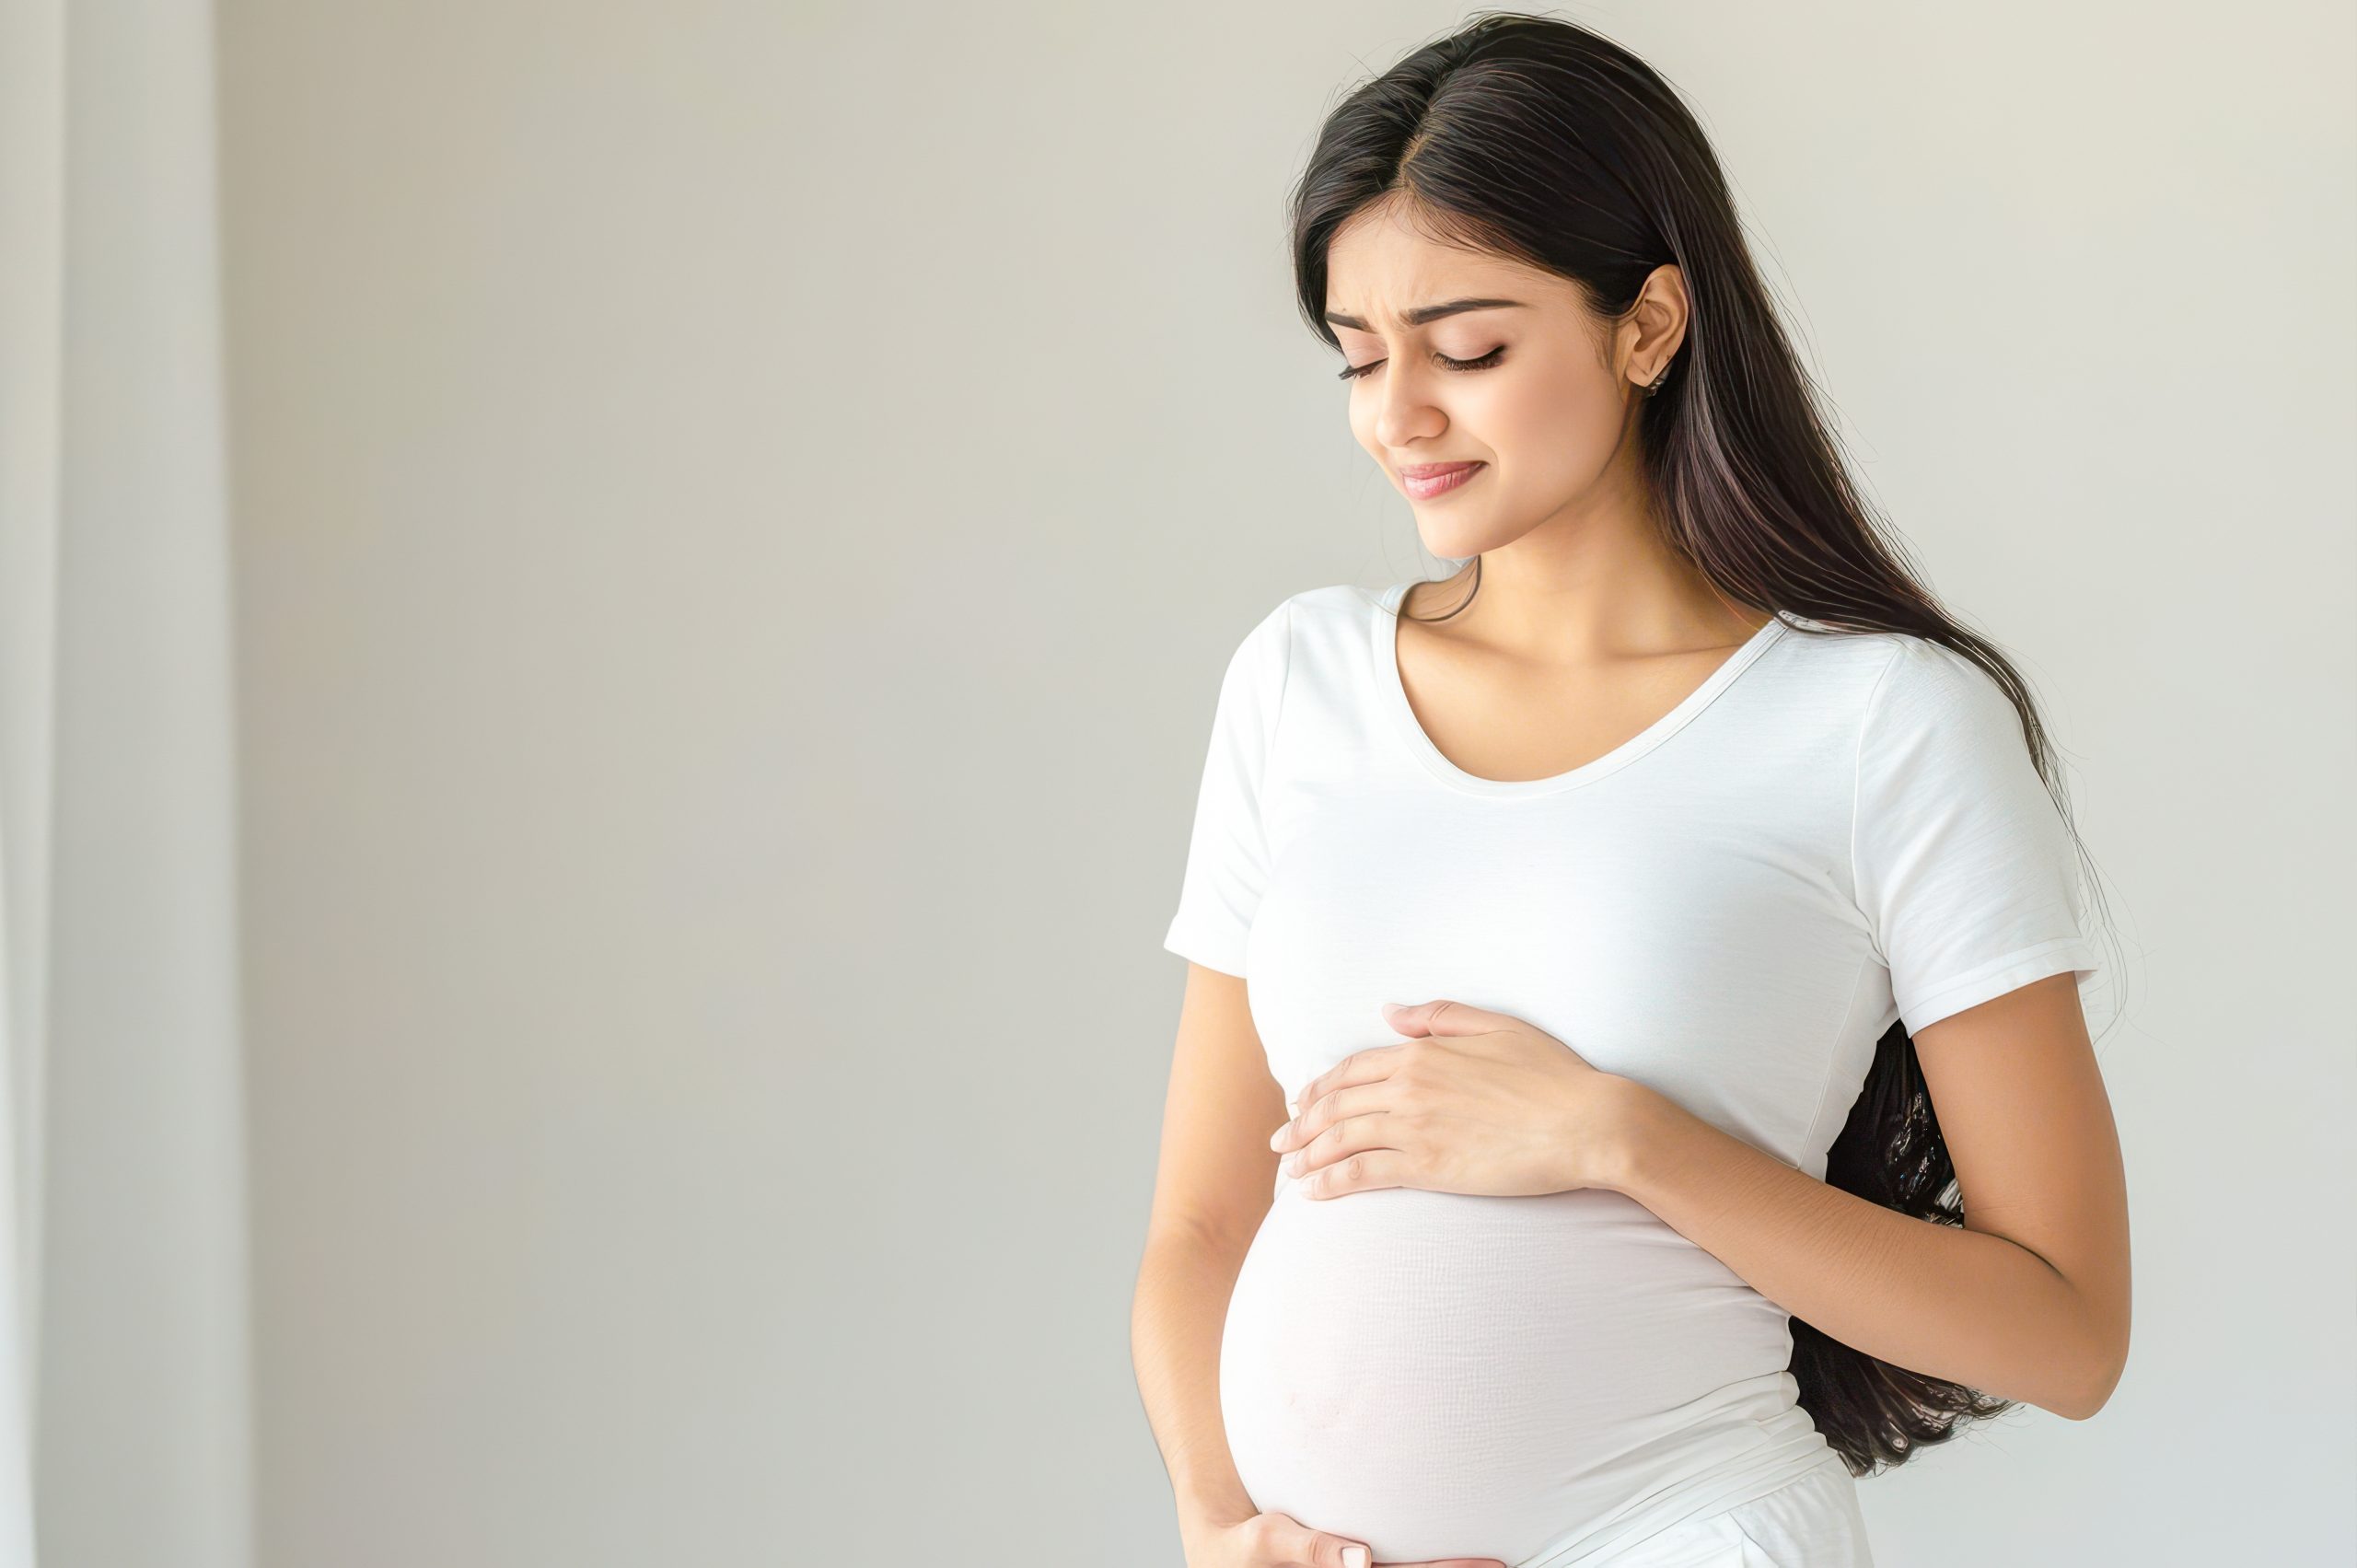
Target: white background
{"type": "Point", "coordinates": [736, 514]}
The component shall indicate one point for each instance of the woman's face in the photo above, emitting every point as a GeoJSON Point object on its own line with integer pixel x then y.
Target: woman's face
{"type": "Point", "coordinates": [1542, 395]}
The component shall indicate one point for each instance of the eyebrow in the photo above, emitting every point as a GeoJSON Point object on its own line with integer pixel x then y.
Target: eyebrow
{"type": "Point", "coordinates": [1423, 313]}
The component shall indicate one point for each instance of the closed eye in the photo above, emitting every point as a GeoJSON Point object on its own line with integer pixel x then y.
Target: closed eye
{"type": "Point", "coordinates": [1496, 356]}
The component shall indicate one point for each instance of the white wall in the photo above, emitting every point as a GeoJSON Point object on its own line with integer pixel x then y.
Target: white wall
{"type": "Point", "coordinates": [119, 983]}
{"type": "Point", "coordinates": [730, 597]}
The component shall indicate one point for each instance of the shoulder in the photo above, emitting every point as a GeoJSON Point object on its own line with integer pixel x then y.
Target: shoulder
{"type": "Point", "coordinates": [1260, 660]}
{"type": "Point", "coordinates": [1879, 701]}
{"type": "Point", "coordinates": [1894, 675]}
{"type": "Point", "coordinates": [1930, 686]}
{"type": "Point", "coordinates": [1307, 618]}
{"type": "Point", "coordinates": [1932, 718]}
{"type": "Point", "coordinates": [1338, 605]}
{"type": "Point", "coordinates": [1339, 601]}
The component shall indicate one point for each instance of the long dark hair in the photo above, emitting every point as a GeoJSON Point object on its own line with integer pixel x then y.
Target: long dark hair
{"type": "Point", "coordinates": [1535, 139]}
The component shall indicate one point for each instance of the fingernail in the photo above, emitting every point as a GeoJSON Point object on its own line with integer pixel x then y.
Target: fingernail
{"type": "Point", "coordinates": [1293, 1109]}
{"type": "Point", "coordinates": [1353, 1557]}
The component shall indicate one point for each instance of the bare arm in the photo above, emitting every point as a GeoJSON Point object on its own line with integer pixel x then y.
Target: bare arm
{"type": "Point", "coordinates": [2028, 1300]}
{"type": "Point", "coordinates": [1212, 1188]}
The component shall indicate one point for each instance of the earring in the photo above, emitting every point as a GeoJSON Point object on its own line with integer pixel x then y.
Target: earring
{"type": "Point", "coordinates": [1655, 385]}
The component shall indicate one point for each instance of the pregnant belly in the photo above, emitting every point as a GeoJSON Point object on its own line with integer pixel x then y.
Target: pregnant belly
{"type": "Point", "coordinates": [1439, 1375]}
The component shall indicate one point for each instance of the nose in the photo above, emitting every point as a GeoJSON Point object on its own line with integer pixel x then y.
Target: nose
{"type": "Point", "coordinates": [1406, 411]}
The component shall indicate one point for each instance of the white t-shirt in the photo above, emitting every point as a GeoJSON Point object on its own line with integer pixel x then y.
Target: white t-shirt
{"type": "Point", "coordinates": [1835, 831]}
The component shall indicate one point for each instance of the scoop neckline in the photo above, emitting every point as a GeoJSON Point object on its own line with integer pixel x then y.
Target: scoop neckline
{"type": "Point", "coordinates": [1383, 627]}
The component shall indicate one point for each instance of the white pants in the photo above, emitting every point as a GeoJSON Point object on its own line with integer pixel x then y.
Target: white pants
{"type": "Point", "coordinates": [1814, 1522]}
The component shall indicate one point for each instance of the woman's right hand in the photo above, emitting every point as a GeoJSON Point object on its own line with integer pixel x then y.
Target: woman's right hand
{"type": "Point", "coordinates": [1280, 1540]}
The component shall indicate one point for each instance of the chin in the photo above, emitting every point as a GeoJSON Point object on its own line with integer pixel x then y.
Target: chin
{"type": "Point", "coordinates": [1459, 544]}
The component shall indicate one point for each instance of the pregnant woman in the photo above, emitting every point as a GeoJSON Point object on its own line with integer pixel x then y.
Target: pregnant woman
{"type": "Point", "coordinates": [1603, 960]}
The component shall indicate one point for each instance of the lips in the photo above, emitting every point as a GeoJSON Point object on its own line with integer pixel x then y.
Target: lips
{"type": "Point", "coordinates": [1429, 481]}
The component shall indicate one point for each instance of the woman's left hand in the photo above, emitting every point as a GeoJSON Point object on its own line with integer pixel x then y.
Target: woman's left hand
{"type": "Point", "coordinates": [1474, 1102]}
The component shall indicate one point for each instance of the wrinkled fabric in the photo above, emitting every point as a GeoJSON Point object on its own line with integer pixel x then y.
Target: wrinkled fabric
{"type": "Point", "coordinates": [1815, 1522]}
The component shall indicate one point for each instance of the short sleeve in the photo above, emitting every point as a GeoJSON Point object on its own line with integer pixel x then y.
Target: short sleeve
{"type": "Point", "coordinates": [1228, 852]}
{"type": "Point", "coordinates": [1964, 865]}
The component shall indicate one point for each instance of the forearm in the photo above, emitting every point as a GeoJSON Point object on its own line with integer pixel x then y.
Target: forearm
{"type": "Point", "coordinates": [1946, 1301]}
{"type": "Point", "coordinates": [1184, 1283]}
